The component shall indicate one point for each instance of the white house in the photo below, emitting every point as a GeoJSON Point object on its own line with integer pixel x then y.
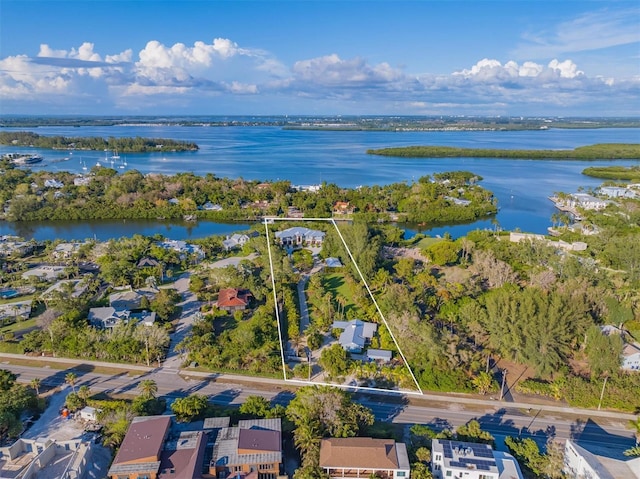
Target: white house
{"type": "Point", "coordinates": [578, 462]}
{"type": "Point", "coordinates": [237, 240]}
{"type": "Point", "coordinates": [53, 184]}
{"type": "Point", "coordinates": [81, 180]}
{"type": "Point", "coordinates": [107, 317]}
{"type": "Point", "coordinates": [356, 334]}
{"type": "Point", "coordinates": [65, 250]}
{"type": "Point", "coordinates": [466, 460]}
{"type": "Point", "coordinates": [587, 202]}
{"type": "Point", "coordinates": [631, 357]}
{"type": "Point", "coordinates": [299, 235]}
{"type": "Point", "coordinates": [183, 248]}
{"type": "Point", "coordinates": [208, 206]}
{"type": "Point", "coordinates": [617, 192]}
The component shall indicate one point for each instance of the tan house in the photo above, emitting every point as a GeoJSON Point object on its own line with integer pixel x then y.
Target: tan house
{"type": "Point", "coordinates": [362, 457]}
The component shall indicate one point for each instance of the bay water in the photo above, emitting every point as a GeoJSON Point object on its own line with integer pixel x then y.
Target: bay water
{"type": "Point", "coordinates": [305, 157]}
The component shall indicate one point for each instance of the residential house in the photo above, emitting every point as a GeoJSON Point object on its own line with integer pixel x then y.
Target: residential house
{"type": "Point", "coordinates": [466, 460]}
{"type": "Point", "coordinates": [76, 287]}
{"type": "Point", "coordinates": [44, 272]}
{"type": "Point", "coordinates": [147, 262]}
{"type": "Point", "coordinates": [356, 335]}
{"type": "Point", "coordinates": [151, 450]}
{"type": "Point", "coordinates": [11, 245]}
{"type": "Point", "coordinates": [233, 299]}
{"type": "Point", "coordinates": [585, 201]}
{"type": "Point", "coordinates": [617, 192]}
{"type": "Point", "coordinates": [107, 317]}
{"type": "Point", "coordinates": [631, 357]}
{"type": "Point", "coordinates": [131, 299]}
{"type": "Point", "coordinates": [308, 188]}
{"type": "Point", "coordinates": [238, 240]}
{"type": "Point", "coordinates": [362, 457]}
{"type": "Point", "coordinates": [65, 250]}
{"type": "Point", "coordinates": [53, 183]}
{"type": "Point", "coordinates": [343, 208]}
{"type": "Point", "coordinates": [81, 180]}
{"type": "Point", "coordinates": [582, 464]}
{"type": "Point", "coordinates": [253, 448]}
{"type": "Point", "coordinates": [298, 236]}
{"type": "Point", "coordinates": [293, 212]}
{"type": "Point", "coordinates": [458, 201]}
{"type": "Point", "coordinates": [44, 457]}
{"type": "Point", "coordinates": [183, 248]}
{"type": "Point", "coordinates": [208, 206]}
{"type": "Point", "coordinates": [19, 310]}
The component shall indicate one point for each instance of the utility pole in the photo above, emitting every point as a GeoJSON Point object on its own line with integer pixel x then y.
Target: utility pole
{"type": "Point", "coordinates": [602, 393]}
{"type": "Point", "coordinates": [504, 377]}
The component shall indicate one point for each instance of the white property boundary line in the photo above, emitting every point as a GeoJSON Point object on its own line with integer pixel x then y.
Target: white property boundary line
{"type": "Point", "coordinates": [269, 220]}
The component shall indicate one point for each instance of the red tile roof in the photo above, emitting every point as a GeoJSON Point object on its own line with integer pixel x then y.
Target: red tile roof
{"type": "Point", "coordinates": [232, 297]}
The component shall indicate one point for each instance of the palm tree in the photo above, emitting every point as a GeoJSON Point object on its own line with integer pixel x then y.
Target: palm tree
{"type": "Point", "coordinates": [70, 379]}
{"type": "Point", "coordinates": [635, 425]}
{"type": "Point", "coordinates": [84, 392]}
{"type": "Point", "coordinates": [35, 384]}
{"type": "Point", "coordinates": [148, 388]}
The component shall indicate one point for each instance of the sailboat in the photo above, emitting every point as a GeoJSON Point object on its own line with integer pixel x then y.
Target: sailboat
{"type": "Point", "coordinates": [123, 164]}
{"type": "Point", "coordinates": [84, 165]}
{"type": "Point", "coordinates": [115, 155]}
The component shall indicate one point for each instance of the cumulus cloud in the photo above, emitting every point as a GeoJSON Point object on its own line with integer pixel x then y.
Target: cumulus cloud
{"type": "Point", "coordinates": [493, 70]}
{"type": "Point", "coordinates": [181, 76]}
{"type": "Point", "coordinates": [332, 70]}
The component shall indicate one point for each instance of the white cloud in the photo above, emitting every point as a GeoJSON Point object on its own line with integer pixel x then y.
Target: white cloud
{"type": "Point", "coordinates": [332, 70]}
{"type": "Point", "coordinates": [493, 70]}
{"type": "Point", "coordinates": [180, 77]}
{"type": "Point", "coordinates": [590, 31]}
{"type": "Point", "coordinates": [242, 88]}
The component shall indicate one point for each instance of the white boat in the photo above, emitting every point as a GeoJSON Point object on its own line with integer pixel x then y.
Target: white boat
{"type": "Point", "coordinates": [115, 155]}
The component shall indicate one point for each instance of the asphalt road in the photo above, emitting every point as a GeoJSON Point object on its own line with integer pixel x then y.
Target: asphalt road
{"type": "Point", "coordinates": [606, 436]}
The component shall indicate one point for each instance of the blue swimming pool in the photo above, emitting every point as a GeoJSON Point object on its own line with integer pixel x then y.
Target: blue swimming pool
{"type": "Point", "coordinates": [8, 293]}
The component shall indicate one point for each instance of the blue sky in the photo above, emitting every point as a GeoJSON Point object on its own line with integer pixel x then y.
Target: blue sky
{"type": "Point", "coordinates": [380, 57]}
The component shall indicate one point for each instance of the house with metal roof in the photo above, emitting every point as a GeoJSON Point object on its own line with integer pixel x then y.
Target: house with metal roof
{"type": "Point", "coordinates": [151, 449]}
{"type": "Point", "coordinates": [354, 457]}
{"type": "Point", "coordinates": [252, 449]}
{"type": "Point", "coordinates": [356, 335]}
{"type": "Point", "coordinates": [298, 236]}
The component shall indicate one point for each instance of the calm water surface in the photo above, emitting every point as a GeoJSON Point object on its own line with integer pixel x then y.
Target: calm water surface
{"type": "Point", "coordinates": [310, 157]}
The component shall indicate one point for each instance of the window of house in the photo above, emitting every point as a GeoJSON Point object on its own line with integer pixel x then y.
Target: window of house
{"type": "Point", "coordinates": [448, 474]}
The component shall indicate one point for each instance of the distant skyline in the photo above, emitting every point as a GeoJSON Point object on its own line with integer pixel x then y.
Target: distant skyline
{"type": "Point", "coordinates": [326, 57]}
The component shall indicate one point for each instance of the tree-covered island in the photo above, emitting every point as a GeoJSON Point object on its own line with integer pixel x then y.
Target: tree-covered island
{"type": "Point", "coordinates": [620, 173]}
{"type": "Point", "coordinates": [106, 194]}
{"type": "Point", "coordinates": [96, 143]}
{"type": "Point", "coordinates": [602, 151]}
